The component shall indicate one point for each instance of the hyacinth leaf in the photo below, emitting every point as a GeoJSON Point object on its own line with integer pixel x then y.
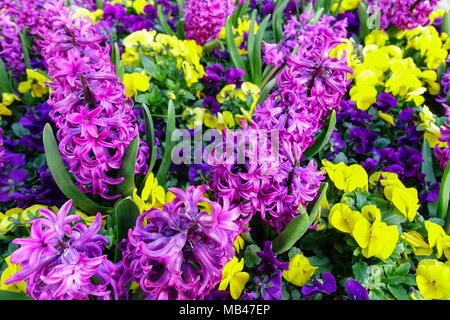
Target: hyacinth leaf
{"type": "Point", "coordinates": [291, 233]}
{"type": "Point", "coordinates": [99, 4]}
{"type": "Point", "coordinates": [256, 52]}
{"type": "Point", "coordinates": [239, 12]}
{"type": "Point", "coordinates": [128, 168]}
{"type": "Point", "coordinates": [167, 159]}
{"type": "Point", "coordinates": [9, 295]}
{"type": "Point", "coordinates": [444, 195]}
{"type": "Point", "coordinates": [165, 26]}
{"type": "Point", "coordinates": [118, 64]}
{"type": "Point", "coordinates": [125, 214]}
{"type": "Point", "coordinates": [427, 164]}
{"type": "Point", "coordinates": [266, 91]}
{"type": "Point", "coordinates": [277, 19]}
{"type": "Point", "coordinates": [25, 44]}
{"type": "Point", "coordinates": [322, 138]}
{"type": "Point", "coordinates": [316, 209]}
{"type": "Point", "coordinates": [336, 12]}
{"type": "Point", "coordinates": [5, 84]}
{"type": "Point", "coordinates": [232, 50]}
{"type": "Point", "coordinates": [62, 176]}
{"type": "Point", "coordinates": [180, 29]}
{"type": "Point", "coordinates": [363, 16]}
{"type": "Point", "coordinates": [325, 5]}
{"type": "Point", "coordinates": [251, 44]}
{"type": "Point", "coordinates": [149, 127]}
{"type": "Point", "coordinates": [446, 23]}
{"type": "Point", "coordinates": [210, 45]}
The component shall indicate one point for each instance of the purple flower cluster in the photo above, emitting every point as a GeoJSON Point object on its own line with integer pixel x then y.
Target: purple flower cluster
{"type": "Point", "coordinates": [405, 14]}
{"type": "Point", "coordinates": [95, 122]}
{"type": "Point", "coordinates": [301, 32]}
{"type": "Point", "coordinates": [10, 46]}
{"type": "Point", "coordinates": [62, 260]}
{"type": "Point", "coordinates": [205, 18]}
{"type": "Point", "coordinates": [327, 285]}
{"type": "Point", "coordinates": [2, 151]}
{"type": "Point", "coordinates": [444, 154]}
{"type": "Point", "coordinates": [179, 252]}
{"type": "Point", "coordinates": [445, 86]}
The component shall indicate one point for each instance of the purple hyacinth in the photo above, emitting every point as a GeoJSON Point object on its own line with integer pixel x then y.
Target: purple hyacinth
{"type": "Point", "coordinates": [94, 120]}
{"type": "Point", "coordinates": [10, 46]}
{"type": "Point", "coordinates": [181, 250]}
{"type": "Point", "coordinates": [444, 154]}
{"type": "Point", "coordinates": [445, 87]}
{"type": "Point", "coordinates": [2, 151]}
{"type": "Point", "coordinates": [62, 260]}
{"type": "Point", "coordinates": [205, 18]}
{"type": "Point", "coordinates": [405, 14]}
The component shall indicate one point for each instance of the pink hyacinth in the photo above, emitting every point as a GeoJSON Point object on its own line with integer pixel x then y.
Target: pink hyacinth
{"type": "Point", "coordinates": [405, 14]}
{"type": "Point", "coordinates": [95, 121]}
{"type": "Point", "coordinates": [10, 45]}
{"type": "Point", "coordinates": [181, 250]}
{"type": "Point", "coordinates": [205, 18]}
{"type": "Point", "coordinates": [62, 260]}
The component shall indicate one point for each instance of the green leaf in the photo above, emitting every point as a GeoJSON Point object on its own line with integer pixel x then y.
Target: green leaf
{"type": "Point", "coordinates": [291, 233]}
{"type": "Point", "coordinates": [25, 44]}
{"type": "Point", "coordinates": [5, 83]}
{"type": "Point", "coordinates": [167, 159]}
{"type": "Point", "coordinates": [315, 210]}
{"type": "Point", "coordinates": [322, 138]}
{"type": "Point", "coordinates": [251, 44]}
{"type": "Point", "coordinates": [277, 19]}
{"type": "Point", "coordinates": [446, 23]}
{"type": "Point", "coordinates": [251, 260]}
{"type": "Point", "coordinates": [398, 292]}
{"type": "Point", "coordinates": [210, 45]}
{"type": "Point", "coordinates": [335, 13]}
{"type": "Point", "coordinates": [363, 16]}
{"type": "Point", "coordinates": [119, 68]}
{"type": "Point", "coordinates": [361, 272]}
{"type": "Point", "coordinates": [255, 58]}
{"type": "Point", "coordinates": [266, 91]}
{"type": "Point", "coordinates": [149, 127]}
{"type": "Point", "coordinates": [164, 24]}
{"type": "Point", "coordinates": [232, 50]}
{"type": "Point", "coordinates": [180, 29]}
{"type": "Point", "coordinates": [9, 295]}
{"type": "Point", "coordinates": [150, 67]}
{"type": "Point", "coordinates": [62, 177]}
{"type": "Point", "coordinates": [125, 214]}
{"type": "Point", "coordinates": [99, 4]}
{"type": "Point", "coordinates": [444, 197]}
{"type": "Point", "coordinates": [128, 168]}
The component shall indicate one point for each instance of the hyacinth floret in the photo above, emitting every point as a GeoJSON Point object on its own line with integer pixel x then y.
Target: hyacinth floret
{"type": "Point", "coordinates": [62, 260]}
{"type": "Point", "coordinates": [179, 252]}
{"type": "Point", "coordinates": [10, 46]}
{"type": "Point", "coordinates": [95, 122]}
{"type": "Point", "coordinates": [205, 18]}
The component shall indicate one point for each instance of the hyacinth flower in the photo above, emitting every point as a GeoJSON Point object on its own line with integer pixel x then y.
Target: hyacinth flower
{"type": "Point", "coordinates": [62, 260]}
{"type": "Point", "coordinates": [205, 18]}
{"type": "Point", "coordinates": [10, 46]}
{"type": "Point", "coordinates": [95, 122]}
{"type": "Point", "coordinates": [444, 154]}
{"type": "Point", "coordinates": [405, 14]}
{"type": "Point", "coordinates": [162, 249]}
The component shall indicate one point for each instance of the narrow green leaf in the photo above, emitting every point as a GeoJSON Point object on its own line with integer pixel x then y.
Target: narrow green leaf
{"type": "Point", "coordinates": [446, 23]}
{"type": "Point", "coordinates": [163, 21]}
{"type": "Point", "coordinates": [180, 29]}
{"type": "Point", "coordinates": [322, 138]}
{"type": "Point", "coordinates": [128, 168]}
{"type": "Point", "coordinates": [25, 45]}
{"type": "Point", "coordinates": [9, 295]}
{"type": "Point", "coordinates": [5, 83]}
{"type": "Point", "coordinates": [444, 197]}
{"type": "Point", "coordinates": [150, 67]}
{"type": "Point", "coordinates": [125, 214]}
{"type": "Point", "coordinates": [316, 209]}
{"type": "Point", "coordinates": [244, 8]}
{"type": "Point", "coordinates": [277, 19]}
{"type": "Point", "coordinates": [363, 16]}
{"type": "Point", "coordinates": [335, 13]}
{"type": "Point", "coordinates": [116, 59]}
{"type": "Point", "coordinates": [427, 164]}
{"type": "Point", "coordinates": [232, 50]}
{"type": "Point", "coordinates": [99, 4]}
{"type": "Point", "coordinates": [257, 61]}
{"type": "Point", "coordinates": [62, 177]}
{"type": "Point", "coordinates": [167, 158]}
{"type": "Point", "coordinates": [266, 91]}
{"type": "Point", "coordinates": [149, 127]}
{"type": "Point", "coordinates": [291, 234]}
{"type": "Point", "coordinates": [251, 44]}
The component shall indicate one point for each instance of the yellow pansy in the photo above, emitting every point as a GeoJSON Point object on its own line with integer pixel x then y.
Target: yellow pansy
{"type": "Point", "coordinates": [417, 243]}
{"type": "Point", "coordinates": [345, 48]}
{"type": "Point", "coordinates": [406, 200]}
{"type": "Point", "coordinates": [376, 37]}
{"type": "Point", "coordinates": [384, 177]}
{"type": "Point", "coordinates": [139, 38]}
{"type": "Point", "coordinates": [7, 219]}
{"type": "Point", "coordinates": [139, 5]}
{"type": "Point", "coordinates": [346, 5]}
{"type": "Point", "coordinates": [35, 84]}
{"type": "Point", "coordinates": [95, 16]}
{"type": "Point", "coordinates": [347, 178]}
{"type": "Point", "coordinates": [7, 100]}
{"type": "Point", "coordinates": [130, 57]}
{"type": "Point", "coordinates": [233, 276]}
{"type": "Point", "coordinates": [227, 92]}
{"type": "Point", "coordinates": [376, 239]}
{"type": "Point", "coordinates": [343, 218]}
{"type": "Point", "coordinates": [7, 273]}
{"type": "Point", "coordinates": [430, 78]}
{"type": "Point", "coordinates": [376, 58]}
{"type": "Point", "coordinates": [33, 211]}
{"type": "Point", "coordinates": [238, 244]}
{"type": "Point", "coordinates": [386, 118]}
{"type": "Point", "coordinates": [152, 195]}
{"type": "Point", "coordinates": [433, 279]}
{"type": "Point", "coordinates": [433, 140]}
{"type": "Point", "coordinates": [300, 270]}
{"type": "Point", "coordinates": [438, 238]}
{"type": "Point", "coordinates": [135, 82]}
{"type": "Point", "coordinates": [371, 212]}
{"type": "Point", "coordinates": [363, 95]}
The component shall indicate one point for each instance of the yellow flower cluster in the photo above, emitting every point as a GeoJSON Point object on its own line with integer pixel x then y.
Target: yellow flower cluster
{"type": "Point", "coordinates": [137, 5]}
{"type": "Point", "coordinates": [152, 196]}
{"type": "Point", "coordinates": [346, 5]}
{"type": "Point", "coordinates": [35, 84]}
{"type": "Point", "coordinates": [7, 100]}
{"type": "Point", "coordinates": [376, 238]}
{"type": "Point", "coordinates": [243, 26]}
{"type": "Point", "coordinates": [347, 178]}
{"type": "Point", "coordinates": [135, 82]}
{"type": "Point", "coordinates": [187, 52]}
{"type": "Point", "coordinates": [405, 200]}
{"type": "Point", "coordinates": [225, 119]}
{"type": "Point", "coordinates": [95, 16]}
{"type": "Point", "coordinates": [385, 66]}
{"type": "Point", "coordinates": [432, 131]}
